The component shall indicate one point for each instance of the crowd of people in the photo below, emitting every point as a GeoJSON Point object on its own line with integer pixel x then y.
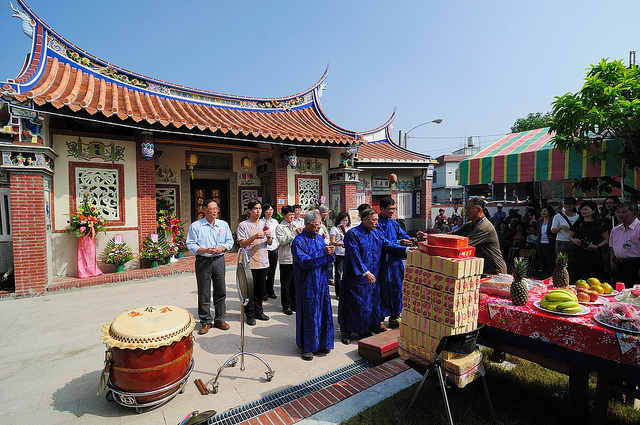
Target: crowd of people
{"type": "Point", "coordinates": [584, 232]}
{"type": "Point", "coordinates": [364, 263]}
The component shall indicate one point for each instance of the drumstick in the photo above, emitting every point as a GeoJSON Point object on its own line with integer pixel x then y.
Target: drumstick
{"type": "Point", "coordinates": [201, 387]}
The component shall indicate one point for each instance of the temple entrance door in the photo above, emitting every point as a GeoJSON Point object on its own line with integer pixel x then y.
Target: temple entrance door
{"type": "Point", "coordinates": [218, 190]}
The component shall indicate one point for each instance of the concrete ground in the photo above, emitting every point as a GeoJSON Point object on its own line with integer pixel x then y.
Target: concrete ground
{"type": "Point", "coordinates": [52, 356]}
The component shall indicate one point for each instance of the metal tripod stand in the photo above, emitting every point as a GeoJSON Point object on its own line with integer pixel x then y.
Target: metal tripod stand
{"type": "Point", "coordinates": [244, 281]}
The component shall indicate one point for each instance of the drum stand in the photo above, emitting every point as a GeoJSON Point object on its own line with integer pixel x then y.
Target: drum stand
{"type": "Point", "coordinates": [245, 292]}
{"type": "Point", "coordinates": [128, 399]}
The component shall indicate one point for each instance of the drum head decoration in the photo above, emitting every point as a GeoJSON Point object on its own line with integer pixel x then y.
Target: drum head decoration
{"type": "Point", "coordinates": [244, 278]}
{"type": "Point", "coordinates": [148, 327]}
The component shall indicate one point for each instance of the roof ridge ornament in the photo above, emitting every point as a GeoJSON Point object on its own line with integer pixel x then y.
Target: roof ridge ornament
{"type": "Point", "coordinates": [28, 23]}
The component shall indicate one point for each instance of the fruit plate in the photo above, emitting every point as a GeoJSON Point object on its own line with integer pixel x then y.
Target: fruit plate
{"type": "Point", "coordinates": [585, 310]}
{"type": "Point", "coordinates": [596, 302]}
{"type": "Point", "coordinates": [613, 294]}
{"type": "Point", "coordinates": [598, 318]}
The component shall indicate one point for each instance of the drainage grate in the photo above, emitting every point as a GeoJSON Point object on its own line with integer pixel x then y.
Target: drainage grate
{"type": "Point", "coordinates": [273, 401]}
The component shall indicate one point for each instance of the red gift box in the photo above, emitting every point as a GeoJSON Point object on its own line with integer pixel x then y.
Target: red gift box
{"type": "Point", "coordinates": [448, 252]}
{"type": "Point", "coordinates": [452, 241]}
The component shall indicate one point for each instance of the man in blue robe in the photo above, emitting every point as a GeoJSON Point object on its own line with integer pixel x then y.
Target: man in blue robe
{"type": "Point", "coordinates": [359, 304]}
{"type": "Point", "coordinates": [391, 267]}
{"type": "Point", "coordinates": [314, 319]}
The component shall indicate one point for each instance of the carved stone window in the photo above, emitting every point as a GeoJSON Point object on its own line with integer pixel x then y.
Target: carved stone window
{"type": "Point", "coordinates": [105, 187]}
{"type": "Point", "coordinates": [308, 190]}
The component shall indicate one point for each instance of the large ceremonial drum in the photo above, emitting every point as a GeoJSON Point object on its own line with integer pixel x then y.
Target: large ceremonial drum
{"type": "Point", "coordinates": [150, 350]}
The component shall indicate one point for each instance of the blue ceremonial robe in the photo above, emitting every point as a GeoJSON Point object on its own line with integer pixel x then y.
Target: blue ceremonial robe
{"type": "Point", "coordinates": [314, 319]}
{"type": "Point", "coordinates": [391, 270]}
{"type": "Point", "coordinates": [359, 304]}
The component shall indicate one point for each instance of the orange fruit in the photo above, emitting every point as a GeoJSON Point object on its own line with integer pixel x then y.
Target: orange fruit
{"type": "Point", "coordinates": [581, 281]}
{"type": "Point", "coordinates": [593, 281]}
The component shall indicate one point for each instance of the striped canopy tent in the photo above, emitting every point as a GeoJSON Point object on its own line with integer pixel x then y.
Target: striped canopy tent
{"type": "Point", "coordinates": [530, 156]}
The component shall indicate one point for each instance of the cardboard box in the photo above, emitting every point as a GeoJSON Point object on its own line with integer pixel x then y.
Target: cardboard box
{"type": "Point", "coordinates": [461, 365]}
{"type": "Point", "coordinates": [451, 318]}
{"type": "Point", "coordinates": [450, 252]}
{"type": "Point", "coordinates": [454, 267]}
{"type": "Point", "coordinates": [452, 301]}
{"type": "Point", "coordinates": [380, 347]}
{"type": "Point", "coordinates": [453, 241]}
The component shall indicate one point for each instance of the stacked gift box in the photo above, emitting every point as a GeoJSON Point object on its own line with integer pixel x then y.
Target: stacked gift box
{"type": "Point", "coordinates": [440, 295]}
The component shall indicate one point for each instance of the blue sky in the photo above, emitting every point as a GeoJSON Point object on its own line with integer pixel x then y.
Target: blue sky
{"type": "Point", "coordinates": [478, 65]}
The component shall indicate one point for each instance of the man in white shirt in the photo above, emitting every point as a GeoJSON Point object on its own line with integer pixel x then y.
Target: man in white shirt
{"type": "Point", "coordinates": [208, 239]}
{"type": "Point", "coordinates": [285, 232]}
{"type": "Point", "coordinates": [254, 239]}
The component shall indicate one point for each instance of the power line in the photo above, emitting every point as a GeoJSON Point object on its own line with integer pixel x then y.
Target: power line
{"type": "Point", "coordinates": [457, 137]}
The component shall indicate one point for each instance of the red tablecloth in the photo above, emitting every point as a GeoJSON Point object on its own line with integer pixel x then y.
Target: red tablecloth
{"type": "Point", "coordinates": [578, 333]}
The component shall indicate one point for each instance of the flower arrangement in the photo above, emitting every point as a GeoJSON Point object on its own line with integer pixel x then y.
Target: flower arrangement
{"type": "Point", "coordinates": [117, 254]}
{"type": "Point", "coordinates": [154, 251]}
{"type": "Point", "coordinates": [181, 241]}
{"type": "Point", "coordinates": [86, 219]}
{"type": "Point", "coordinates": [167, 221]}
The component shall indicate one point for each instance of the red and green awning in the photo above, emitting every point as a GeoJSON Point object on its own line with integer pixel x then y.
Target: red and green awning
{"type": "Point", "coordinates": [531, 156]}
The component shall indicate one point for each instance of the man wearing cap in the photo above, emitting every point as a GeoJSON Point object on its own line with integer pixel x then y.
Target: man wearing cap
{"type": "Point", "coordinates": [499, 215]}
{"type": "Point", "coordinates": [441, 216]}
{"type": "Point", "coordinates": [561, 225]}
{"type": "Point", "coordinates": [625, 245]}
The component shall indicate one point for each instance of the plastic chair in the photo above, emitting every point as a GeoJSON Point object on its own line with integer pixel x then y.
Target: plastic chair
{"type": "Point", "coordinates": [462, 344]}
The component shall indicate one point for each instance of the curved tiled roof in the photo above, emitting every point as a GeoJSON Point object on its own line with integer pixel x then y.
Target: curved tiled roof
{"type": "Point", "coordinates": [379, 148]}
{"type": "Point", "coordinates": [61, 76]}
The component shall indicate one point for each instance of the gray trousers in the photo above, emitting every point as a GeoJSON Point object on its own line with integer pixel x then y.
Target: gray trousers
{"type": "Point", "coordinates": [211, 270]}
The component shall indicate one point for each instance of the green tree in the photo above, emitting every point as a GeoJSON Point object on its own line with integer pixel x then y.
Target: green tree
{"type": "Point", "coordinates": [532, 122]}
{"type": "Point", "coordinates": [607, 106]}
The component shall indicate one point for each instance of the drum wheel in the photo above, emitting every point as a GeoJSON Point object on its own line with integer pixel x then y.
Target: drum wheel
{"type": "Point", "coordinates": [269, 375]}
{"type": "Point", "coordinates": [214, 390]}
{"type": "Point", "coordinates": [109, 396]}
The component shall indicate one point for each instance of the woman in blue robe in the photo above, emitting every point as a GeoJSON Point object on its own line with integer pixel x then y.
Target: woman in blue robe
{"type": "Point", "coordinates": [391, 267]}
{"type": "Point", "coordinates": [359, 304]}
{"type": "Point", "coordinates": [314, 318]}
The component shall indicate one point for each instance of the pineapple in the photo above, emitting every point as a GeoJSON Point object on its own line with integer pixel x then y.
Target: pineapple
{"type": "Point", "coordinates": [560, 274]}
{"type": "Point", "coordinates": [519, 292]}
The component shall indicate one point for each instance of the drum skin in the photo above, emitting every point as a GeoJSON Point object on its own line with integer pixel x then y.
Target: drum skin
{"type": "Point", "coordinates": [140, 371]}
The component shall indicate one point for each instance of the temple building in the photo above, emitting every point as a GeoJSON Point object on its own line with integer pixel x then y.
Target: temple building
{"type": "Point", "coordinates": [73, 124]}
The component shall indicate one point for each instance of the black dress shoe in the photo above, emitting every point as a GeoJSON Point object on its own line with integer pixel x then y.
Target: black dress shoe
{"type": "Point", "coordinates": [307, 356]}
{"type": "Point", "coordinates": [346, 340]}
{"type": "Point", "coordinates": [251, 321]}
{"type": "Point", "coordinates": [287, 311]}
{"type": "Point", "coordinates": [262, 317]}
{"type": "Point", "coordinates": [273, 296]}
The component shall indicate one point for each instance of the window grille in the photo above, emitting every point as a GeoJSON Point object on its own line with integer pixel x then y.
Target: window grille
{"type": "Point", "coordinates": [5, 215]}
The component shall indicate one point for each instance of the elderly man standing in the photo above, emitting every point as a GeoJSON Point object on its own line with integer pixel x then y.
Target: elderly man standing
{"type": "Point", "coordinates": [314, 319]}
{"type": "Point", "coordinates": [482, 235]}
{"type": "Point", "coordinates": [625, 245]}
{"type": "Point", "coordinates": [359, 304]}
{"type": "Point", "coordinates": [392, 267]}
{"type": "Point", "coordinates": [208, 239]}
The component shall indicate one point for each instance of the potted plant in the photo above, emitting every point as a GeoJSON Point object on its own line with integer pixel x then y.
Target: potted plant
{"type": "Point", "coordinates": [153, 249]}
{"type": "Point", "coordinates": [118, 254]}
{"type": "Point", "coordinates": [181, 243]}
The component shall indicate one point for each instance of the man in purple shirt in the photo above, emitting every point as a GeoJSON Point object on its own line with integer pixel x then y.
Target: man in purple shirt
{"type": "Point", "coordinates": [624, 241]}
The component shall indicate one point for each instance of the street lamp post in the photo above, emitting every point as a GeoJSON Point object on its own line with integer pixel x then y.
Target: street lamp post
{"type": "Point", "coordinates": [404, 141]}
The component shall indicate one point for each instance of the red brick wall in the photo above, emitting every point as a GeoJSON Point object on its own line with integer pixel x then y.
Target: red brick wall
{"type": "Point", "coordinates": [146, 184]}
{"type": "Point", "coordinates": [280, 184]}
{"type": "Point", "coordinates": [29, 233]}
{"type": "Point", "coordinates": [348, 197]}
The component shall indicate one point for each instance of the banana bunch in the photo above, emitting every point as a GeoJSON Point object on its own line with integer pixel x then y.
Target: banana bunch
{"type": "Point", "coordinates": [561, 300]}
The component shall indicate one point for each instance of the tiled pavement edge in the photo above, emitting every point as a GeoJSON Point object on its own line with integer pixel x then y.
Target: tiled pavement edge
{"type": "Point", "coordinates": [309, 405]}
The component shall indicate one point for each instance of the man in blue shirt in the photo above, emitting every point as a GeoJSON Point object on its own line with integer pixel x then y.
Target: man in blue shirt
{"type": "Point", "coordinates": [499, 215]}
{"type": "Point", "coordinates": [208, 239]}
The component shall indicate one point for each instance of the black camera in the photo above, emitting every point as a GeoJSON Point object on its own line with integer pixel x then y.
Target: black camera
{"type": "Point", "coordinates": [584, 243]}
